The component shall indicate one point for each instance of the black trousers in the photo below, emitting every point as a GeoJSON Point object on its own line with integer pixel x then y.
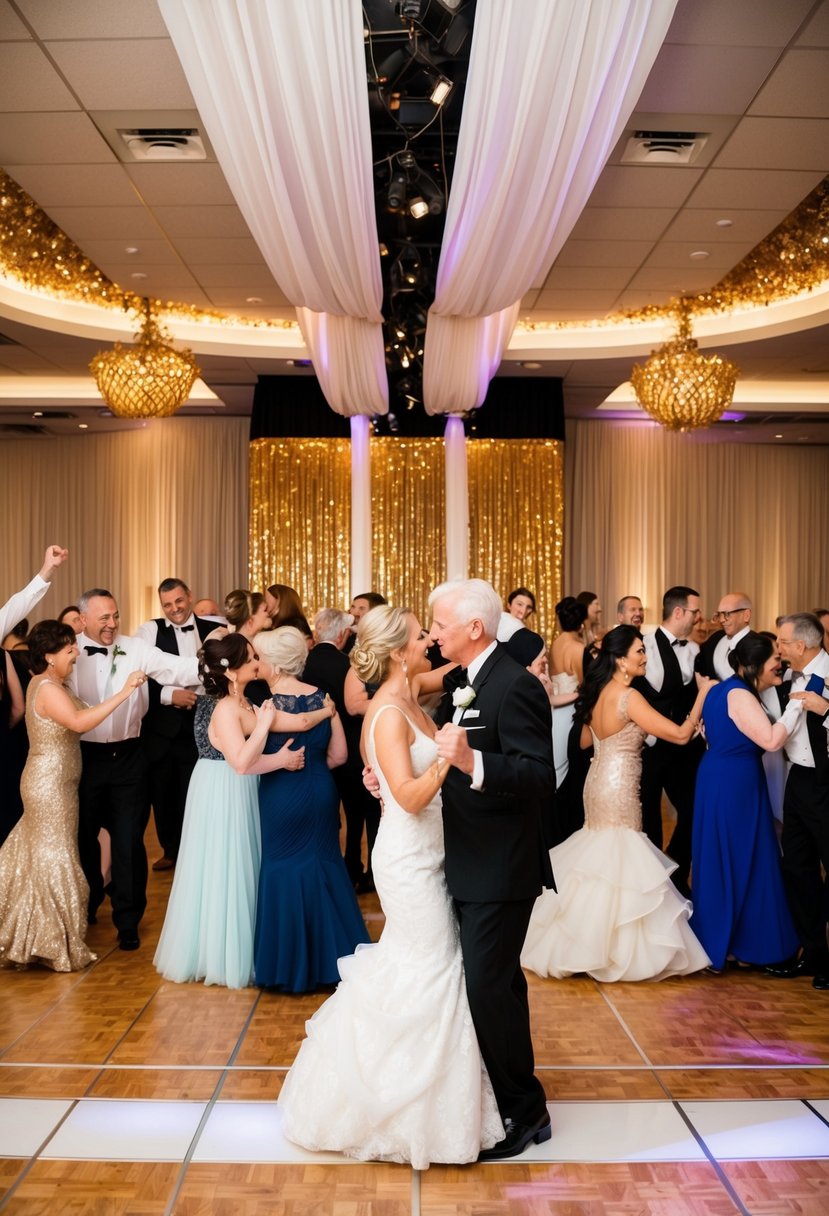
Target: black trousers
{"type": "Point", "coordinates": [805, 844]}
{"type": "Point", "coordinates": [492, 936]}
{"type": "Point", "coordinates": [360, 808]}
{"type": "Point", "coordinates": [673, 769]}
{"type": "Point", "coordinates": [113, 795]}
{"type": "Point", "coordinates": [170, 764]}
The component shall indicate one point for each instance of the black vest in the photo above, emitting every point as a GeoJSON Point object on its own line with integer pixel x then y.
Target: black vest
{"type": "Point", "coordinates": [674, 699]}
{"type": "Point", "coordinates": [161, 719]}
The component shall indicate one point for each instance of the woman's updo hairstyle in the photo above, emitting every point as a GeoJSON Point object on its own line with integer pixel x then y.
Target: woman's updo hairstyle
{"type": "Point", "coordinates": [379, 632]}
{"type": "Point", "coordinates": [571, 614]}
{"type": "Point", "coordinates": [240, 606]}
{"type": "Point", "coordinates": [285, 647]}
{"type": "Point", "coordinates": [48, 637]}
{"type": "Point", "coordinates": [615, 646]}
{"type": "Point", "coordinates": [218, 657]}
{"type": "Point", "coordinates": [748, 657]}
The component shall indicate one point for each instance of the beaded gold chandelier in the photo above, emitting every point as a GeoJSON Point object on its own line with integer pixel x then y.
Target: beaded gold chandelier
{"type": "Point", "coordinates": [148, 380]}
{"type": "Point", "coordinates": [680, 387]}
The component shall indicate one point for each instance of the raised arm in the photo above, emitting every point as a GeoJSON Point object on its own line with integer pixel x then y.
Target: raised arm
{"type": "Point", "coordinates": [355, 695]}
{"type": "Point", "coordinates": [244, 754]}
{"type": "Point", "coordinates": [54, 702]}
{"type": "Point", "coordinates": [654, 723]}
{"type": "Point", "coordinates": [286, 723]}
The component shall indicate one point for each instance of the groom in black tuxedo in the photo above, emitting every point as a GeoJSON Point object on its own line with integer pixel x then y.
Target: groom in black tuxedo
{"type": "Point", "coordinates": [495, 732]}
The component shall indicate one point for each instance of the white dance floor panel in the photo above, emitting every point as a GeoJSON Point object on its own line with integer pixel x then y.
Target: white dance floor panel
{"type": "Point", "coordinates": [239, 1132]}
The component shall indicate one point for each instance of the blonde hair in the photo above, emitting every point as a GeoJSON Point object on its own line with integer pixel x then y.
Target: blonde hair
{"type": "Point", "coordinates": [240, 605]}
{"type": "Point", "coordinates": [380, 631]}
{"type": "Point", "coordinates": [285, 647]}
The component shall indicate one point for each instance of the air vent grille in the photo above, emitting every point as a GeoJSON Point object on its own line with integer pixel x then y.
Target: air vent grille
{"type": "Point", "coordinates": [163, 143]}
{"type": "Point", "coordinates": [663, 147]}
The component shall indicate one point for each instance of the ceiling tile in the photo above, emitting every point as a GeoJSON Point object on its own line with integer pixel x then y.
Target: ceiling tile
{"type": "Point", "coordinates": [816, 31]}
{"type": "Point", "coordinates": [150, 252]}
{"type": "Point", "coordinates": [247, 277]}
{"type": "Point", "coordinates": [129, 223]}
{"type": "Point", "coordinates": [57, 139]}
{"type": "Point", "coordinates": [11, 27]}
{"type": "Point", "coordinates": [622, 223]}
{"type": "Point", "coordinates": [181, 185]}
{"type": "Point", "coordinates": [528, 300]}
{"type": "Point", "coordinates": [700, 226]}
{"type": "Point", "coordinates": [745, 188]}
{"type": "Point", "coordinates": [706, 79]}
{"type": "Point", "coordinates": [65, 185]}
{"type": "Point", "coordinates": [236, 298]}
{"type": "Point", "coordinates": [598, 302]}
{"type": "Point", "coordinates": [639, 185]}
{"type": "Point", "coordinates": [588, 277]}
{"type": "Point", "coordinates": [155, 278]}
{"type": "Point", "coordinates": [674, 282]}
{"type": "Point", "coordinates": [29, 82]}
{"type": "Point", "coordinates": [144, 74]}
{"type": "Point", "coordinates": [722, 255]}
{"type": "Point", "coordinates": [711, 22]}
{"type": "Point", "coordinates": [94, 18]}
{"type": "Point", "coordinates": [798, 87]}
{"type": "Point", "coordinates": [778, 143]}
{"type": "Point", "coordinates": [238, 251]}
{"type": "Point", "coordinates": [206, 221]}
{"type": "Point", "coordinates": [604, 253]}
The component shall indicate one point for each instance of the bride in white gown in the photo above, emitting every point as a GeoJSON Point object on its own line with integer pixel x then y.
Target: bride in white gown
{"type": "Point", "coordinates": [390, 1069]}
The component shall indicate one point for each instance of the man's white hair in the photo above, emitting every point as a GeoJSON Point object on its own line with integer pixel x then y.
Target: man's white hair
{"type": "Point", "coordinates": [329, 623]}
{"type": "Point", "coordinates": [472, 599]}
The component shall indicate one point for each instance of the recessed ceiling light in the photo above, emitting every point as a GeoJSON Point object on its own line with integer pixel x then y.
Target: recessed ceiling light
{"type": "Point", "coordinates": [139, 274]}
{"type": "Point", "coordinates": [83, 426]}
{"type": "Point", "coordinates": [253, 299]}
{"type": "Point", "coordinates": [778, 436]}
{"type": "Point", "coordinates": [37, 413]}
{"type": "Point", "coordinates": [724, 223]}
{"type": "Point", "coordinates": [531, 366]}
{"type": "Point", "coordinates": [132, 249]}
{"type": "Point", "coordinates": [699, 254]}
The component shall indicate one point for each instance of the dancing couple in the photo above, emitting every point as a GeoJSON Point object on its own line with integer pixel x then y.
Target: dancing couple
{"type": "Point", "coordinates": [423, 1054]}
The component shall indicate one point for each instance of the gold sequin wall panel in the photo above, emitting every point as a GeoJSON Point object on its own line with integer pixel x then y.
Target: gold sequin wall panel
{"type": "Point", "coordinates": [408, 519]}
{"type": "Point", "coordinates": [300, 523]}
{"type": "Point", "coordinates": [516, 519]}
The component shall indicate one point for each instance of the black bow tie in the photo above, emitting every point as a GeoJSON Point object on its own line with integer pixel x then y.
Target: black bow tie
{"type": "Point", "coordinates": [185, 628]}
{"type": "Point", "coordinates": [456, 678]}
{"type": "Point", "coordinates": [96, 649]}
{"type": "Point", "coordinates": [680, 642]}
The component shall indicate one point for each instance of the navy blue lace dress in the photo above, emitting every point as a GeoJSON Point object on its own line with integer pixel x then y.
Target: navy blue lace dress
{"type": "Point", "coordinates": [306, 912]}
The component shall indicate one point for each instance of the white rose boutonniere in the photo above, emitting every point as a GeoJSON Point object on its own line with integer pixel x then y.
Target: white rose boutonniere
{"type": "Point", "coordinates": [116, 655]}
{"type": "Point", "coordinates": [463, 697]}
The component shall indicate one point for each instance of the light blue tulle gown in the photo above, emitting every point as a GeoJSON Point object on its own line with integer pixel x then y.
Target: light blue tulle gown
{"type": "Point", "coordinates": [208, 929]}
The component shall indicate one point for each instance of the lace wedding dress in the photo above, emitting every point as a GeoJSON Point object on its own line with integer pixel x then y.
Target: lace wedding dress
{"type": "Point", "coordinates": [616, 914]}
{"type": "Point", "coordinates": [390, 1070]}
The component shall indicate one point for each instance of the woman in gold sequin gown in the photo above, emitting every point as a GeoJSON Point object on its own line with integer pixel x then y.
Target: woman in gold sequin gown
{"type": "Point", "coordinates": [43, 893]}
{"type": "Point", "coordinates": [616, 914]}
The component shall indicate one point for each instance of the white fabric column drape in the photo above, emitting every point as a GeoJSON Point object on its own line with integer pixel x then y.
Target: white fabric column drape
{"type": "Point", "coordinates": [360, 506]}
{"type": "Point", "coordinates": [282, 91]}
{"type": "Point", "coordinates": [457, 499]}
{"type": "Point", "coordinates": [550, 88]}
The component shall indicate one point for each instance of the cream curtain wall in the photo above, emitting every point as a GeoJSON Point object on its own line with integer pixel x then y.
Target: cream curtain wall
{"type": "Point", "coordinates": [132, 507]}
{"type": "Point", "coordinates": [646, 509]}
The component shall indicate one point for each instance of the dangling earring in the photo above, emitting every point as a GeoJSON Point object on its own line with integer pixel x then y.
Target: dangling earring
{"type": "Point", "coordinates": [625, 675]}
{"type": "Point", "coordinates": [405, 667]}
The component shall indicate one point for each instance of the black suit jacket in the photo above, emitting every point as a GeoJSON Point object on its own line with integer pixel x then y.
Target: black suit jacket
{"type": "Point", "coordinates": [327, 668]}
{"type": "Point", "coordinates": [674, 699]}
{"type": "Point", "coordinates": [705, 659]}
{"type": "Point", "coordinates": [494, 841]}
{"type": "Point", "coordinates": [166, 720]}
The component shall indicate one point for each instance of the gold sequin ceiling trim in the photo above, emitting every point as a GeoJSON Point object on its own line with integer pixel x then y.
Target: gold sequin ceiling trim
{"type": "Point", "coordinates": [43, 258]}
{"type": "Point", "coordinates": [793, 259]}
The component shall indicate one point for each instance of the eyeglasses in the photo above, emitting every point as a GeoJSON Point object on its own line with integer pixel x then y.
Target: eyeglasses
{"type": "Point", "coordinates": [726, 616]}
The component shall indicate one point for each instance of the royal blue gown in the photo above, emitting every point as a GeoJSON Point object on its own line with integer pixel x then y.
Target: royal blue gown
{"type": "Point", "coordinates": [307, 915]}
{"type": "Point", "coordinates": [740, 906]}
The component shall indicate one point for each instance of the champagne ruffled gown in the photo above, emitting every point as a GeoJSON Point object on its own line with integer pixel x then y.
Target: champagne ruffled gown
{"type": "Point", "coordinates": [616, 914]}
{"type": "Point", "coordinates": [43, 892]}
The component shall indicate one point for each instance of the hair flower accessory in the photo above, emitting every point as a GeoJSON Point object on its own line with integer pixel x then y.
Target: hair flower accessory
{"type": "Point", "coordinates": [116, 655]}
{"type": "Point", "coordinates": [224, 663]}
{"type": "Point", "coordinates": [463, 697]}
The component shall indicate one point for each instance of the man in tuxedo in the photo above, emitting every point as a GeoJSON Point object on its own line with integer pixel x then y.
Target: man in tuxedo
{"type": "Point", "coordinates": [327, 668]}
{"type": "Point", "coordinates": [495, 732]}
{"type": "Point", "coordinates": [629, 611]}
{"type": "Point", "coordinates": [167, 729]}
{"type": "Point", "coordinates": [113, 787]}
{"type": "Point", "coordinates": [670, 687]}
{"type": "Point", "coordinates": [734, 615]}
{"type": "Point", "coordinates": [805, 839]}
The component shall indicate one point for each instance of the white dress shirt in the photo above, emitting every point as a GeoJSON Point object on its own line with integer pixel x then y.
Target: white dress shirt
{"type": "Point", "coordinates": [798, 746]}
{"type": "Point", "coordinates": [21, 604]}
{"type": "Point", "coordinates": [97, 676]}
{"type": "Point", "coordinates": [468, 715]}
{"type": "Point", "coordinates": [187, 640]}
{"type": "Point", "coordinates": [723, 649]}
{"type": "Point", "coordinates": [685, 655]}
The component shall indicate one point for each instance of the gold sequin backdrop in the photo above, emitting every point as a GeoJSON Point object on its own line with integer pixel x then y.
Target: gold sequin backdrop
{"type": "Point", "coordinates": [300, 492]}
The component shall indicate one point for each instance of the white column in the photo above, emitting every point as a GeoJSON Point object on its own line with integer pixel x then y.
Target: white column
{"type": "Point", "coordinates": [360, 505]}
{"type": "Point", "coordinates": [457, 499]}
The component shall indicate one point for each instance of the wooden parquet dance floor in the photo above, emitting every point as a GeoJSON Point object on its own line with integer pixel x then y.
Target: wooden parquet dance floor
{"type": "Point", "coordinates": [124, 1095]}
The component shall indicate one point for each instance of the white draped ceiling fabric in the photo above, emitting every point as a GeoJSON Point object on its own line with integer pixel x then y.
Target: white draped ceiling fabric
{"type": "Point", "coordinates": [282, 92]}
{"type": "Point", "coordinates": [549, 90]}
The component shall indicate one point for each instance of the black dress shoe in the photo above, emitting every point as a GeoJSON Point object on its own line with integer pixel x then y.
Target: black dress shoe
{"type": "Point", "coordinates": [821, 982]}
{"type": "Point", "coordinates": [128, 941]}
{"type": "Point", "coordinates": [791, 968]}
{"type": "Point", "coordinates": [518, 1136]}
